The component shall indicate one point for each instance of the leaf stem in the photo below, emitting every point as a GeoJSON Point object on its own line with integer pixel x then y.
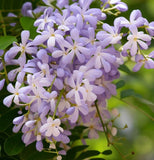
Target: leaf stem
{"type": "Point", "coordinates": [3, 24]}
{"type": "Point", "coordinates": [5, 71]}
{"type": "Point", "coordinates": [103, 125]}
{"type": "Point", "coordinates": [137, 108]}
{"type": "Point", "coordinates": [58, 101]}
{"type": "Point", "coordinates": [50, 88]}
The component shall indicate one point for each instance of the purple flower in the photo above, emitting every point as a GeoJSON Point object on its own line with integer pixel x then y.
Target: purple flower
{"type": "Point", "coordinates": [93, 124]}
{"type": "Point", "coordinates": [150, 28]}
{"type": "Point", "coordinates": [146, 61]}
{"type": "Point", "coordinates": [39, 146]}
{"type": "Point", "coordinates": [90, 73]}
{"type": "Point", "coordinates": [68, 50]}
{"type": "Point", "coordinates": [2, 82]}
{"type": "Point", "coordinates": [18, 121]}
{"type": "Point", "coordinates": [51, 98]}
{"type": "Point", "coordinates": [62, 3]}
{"type": "Point", "coordinates": [17, 94]}
{"type": "Point", "coordinates": [51, 127]}
{"type": "Point", "coordinates": [49, 35]}
{"type": "Point", "coordinates": [44, 20]}
{"type": "Point", "coordinates": [65, 21]}
{"type": "Point", "coordinates": [23, 47]}
{"type": "Point", "coordinates": [75, 82]}
{"type": "Point", "coordinates": [109, 88]}
{"type": "Point", "coordinates": [135, 39]}
{"type": "Point", "coordinates": [12, 15]}
{"type": "Point", "coordinates": [110, 35]}
{"type": "Point", "coordinates": [102, 59]}
{"type": "Point", "coordinates": [27, 9]}
{"type": "Point", "coordinates": [121, 6]}
{"type": "Point", "coordinates": [135, 19]}
{"type": "Point", "coordinates": [82, 108]}
{"type": "Point", "coordinates": [84, 14]}
{"type": "Point", "coordinates": [18, 71]}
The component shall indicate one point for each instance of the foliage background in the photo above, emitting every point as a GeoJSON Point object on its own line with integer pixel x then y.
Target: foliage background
{"type": "Point", "coordinates": [138, 137]}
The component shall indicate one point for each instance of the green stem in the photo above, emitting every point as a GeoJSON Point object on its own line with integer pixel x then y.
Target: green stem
{"type": "Point", "coordinates": [50, 88]}
{"type": "Point", "coordinates": [3, 24]}
{"type": "Point", "coordinates": [10, 10]}
{"type": "Point", "coordinates": [5, 71]}
{"type": "Point", "coordinates": [58, 101]}
{"type": "Point", "coordinates": [103, 125]}
{"type": "Point", "coordinates": [56, 7]}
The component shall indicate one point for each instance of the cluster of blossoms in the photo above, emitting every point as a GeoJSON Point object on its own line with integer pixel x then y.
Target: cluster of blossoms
{"type": "Point", "coordinates": [69, 67]}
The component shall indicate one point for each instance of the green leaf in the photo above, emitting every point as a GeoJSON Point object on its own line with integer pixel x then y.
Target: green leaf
{"type": "Point", "coordinates": [127, 93]}
{"type": "Point", "coordinates": [96, 4]}
{"type": "Point", "coordinates": [88, 154]}
{"type": "Point", "coordinates": [13, 145]}
{"type": "Point", "coordinates": [27, 23]}
{"type": "Point", "coordinates": [7, 118]}
{"type": "Point", "coordinates": [76, 132]}
{"type": "Point", "coordinates": [5, 41]}
{"type": "Point", "coordinates": [120, 84]}
{"type": "Point", "coordinates": [73, 151]}
{"type": "Point", "coordinates": [30, 153]}
{"type": "Point", "coordinates": [124, 68]}
{"type": "Point", "coordinates": [107, 152]}
{"type": "Point", "coordinates": [0, 150]}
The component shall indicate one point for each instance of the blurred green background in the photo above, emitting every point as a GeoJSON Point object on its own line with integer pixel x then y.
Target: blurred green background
{"type": "Point", "coordinates": [138, 137]}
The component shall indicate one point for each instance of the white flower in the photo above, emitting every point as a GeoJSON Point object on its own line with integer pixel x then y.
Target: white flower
{"type": "Point", "coordinates": [52, 127]}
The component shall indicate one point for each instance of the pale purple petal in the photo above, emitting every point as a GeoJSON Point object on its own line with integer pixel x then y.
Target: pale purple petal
{"type": "Point", "coordinates": [149, 64]}
{"type": "Point", "coordinates": [39, 146]}
{"type": "Point", "coordinates": [24, 37]}
{"type": "Point", "coordinates": [137, 66]}
{"type": "Point", "coordinates": [10, 88]}
{"type": "Point", "coordinates": [135, 14]}
{"type": "Point", "coordinates": [97, 62]}
{"type": "Point", "coordinates": [40, 39]}
{"type": "Point", "coordinates": [106, 65]}
{"type": "Point", "coordinates": [133, 49]}
{"type": "Point", "coordinates": [8, 100]}
{"type": "Point", "coordinates": [51, 42]}
{"type": "Point", "coordinates": [2, 83]}
{"type": "Point", "coordinates": [57, 53]}
{"type": "Point", "coordinates": [75, 34]}
{"type": "Point", "coordinates": [77, 98]}
{"type": "Point", "coordinates": [142, 44]}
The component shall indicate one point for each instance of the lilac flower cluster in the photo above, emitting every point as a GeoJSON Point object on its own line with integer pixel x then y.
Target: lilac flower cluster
{"type": "Point", "coordinates": [69, 66]}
